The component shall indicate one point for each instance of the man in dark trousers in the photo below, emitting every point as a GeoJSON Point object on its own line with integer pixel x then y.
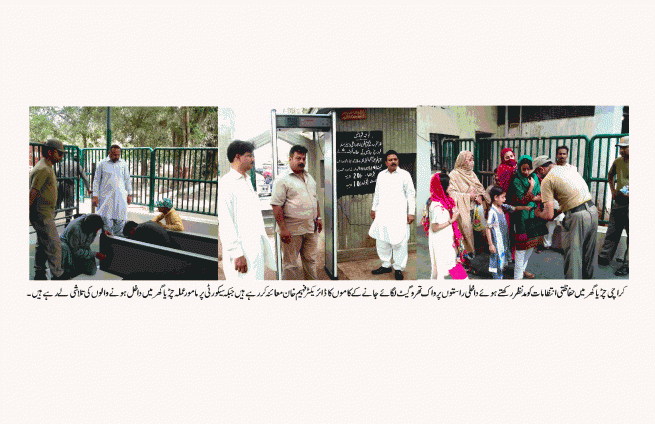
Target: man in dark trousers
{"type": "Point", "coordinates": [66, 174]}
{"type": "Point", "coordinates": [565, 185]}
{"type": "Point", "coordinates": [618, 182]}
{"type": "Point", "coordinates": [43, 197]}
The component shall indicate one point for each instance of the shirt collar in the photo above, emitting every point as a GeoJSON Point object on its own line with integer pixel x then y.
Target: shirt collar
{"type": "Point", "coordinates": [304, 173]}
{"type": "Point", "coordinates": [236, 174]}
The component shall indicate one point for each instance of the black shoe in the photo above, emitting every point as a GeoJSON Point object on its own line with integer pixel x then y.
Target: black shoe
{"type": "Point", "coordinates": [603, 261]}
{"type": "Point", "coordinates": [63, 276]}
{"type": "Point", "coordinates": [622, 272]}
{"type": "Point", "coordinates": [399, 274]}
{"type": "Point", "coordinates": [40, 276]}
{"type": "Point", "coordinates": [381, 270]}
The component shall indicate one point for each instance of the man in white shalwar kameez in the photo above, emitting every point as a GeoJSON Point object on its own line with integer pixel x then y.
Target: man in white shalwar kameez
{"type": "Point", "coordinates": [246, 248]}
{"type": "Point", "coordinates": [393, 210]}
{"type": "Point", "coordinates": [112, 191]}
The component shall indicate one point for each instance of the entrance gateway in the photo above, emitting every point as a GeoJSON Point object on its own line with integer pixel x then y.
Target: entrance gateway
{"type": "Point", "coordinates": [324, 129]}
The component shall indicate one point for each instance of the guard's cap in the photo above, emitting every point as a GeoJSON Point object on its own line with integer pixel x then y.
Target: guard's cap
{"type": "Point", "coordinates": [624, 142]}
{"type": "Point", "coordinates": [540, 161]}
{"type": "Point", "coordinates": [56, 144]}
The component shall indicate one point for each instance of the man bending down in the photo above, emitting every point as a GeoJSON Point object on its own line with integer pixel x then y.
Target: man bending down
{"type": "Point", "coordinates": [149, 232]}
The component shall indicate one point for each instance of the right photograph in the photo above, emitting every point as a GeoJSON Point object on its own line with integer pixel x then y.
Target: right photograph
{"type": "Point", "coordinates": [522, 192]}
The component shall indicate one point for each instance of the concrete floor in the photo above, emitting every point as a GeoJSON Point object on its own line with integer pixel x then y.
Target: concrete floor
{"type": "Point", "coordinates": [547, 265]}
{"type": "Point", "coordinates": [100, 275]}
{"type": "Point", "coordinates": [352, 270]}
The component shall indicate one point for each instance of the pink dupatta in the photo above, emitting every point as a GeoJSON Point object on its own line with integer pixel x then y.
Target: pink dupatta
{"type": "Point", "coordinates": [438, 195]}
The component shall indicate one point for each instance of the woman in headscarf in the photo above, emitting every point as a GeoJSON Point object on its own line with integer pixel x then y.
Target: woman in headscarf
{"type": "Point", "coordinates": [444, 235]}
{"type": "Point", "coordinates": [506, 169]}
{"type": "Point", "coordinates": [524, 190]}
{"type": "Point", "coordinates": [467, 191]}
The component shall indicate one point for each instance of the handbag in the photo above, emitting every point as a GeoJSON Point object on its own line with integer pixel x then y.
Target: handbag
{"type": "Point", "coordinates": [479, 222]}
{"type": "Point", "coordinates": [458, 272]}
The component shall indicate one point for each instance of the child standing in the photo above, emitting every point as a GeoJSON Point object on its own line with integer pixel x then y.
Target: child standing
{"type": "Point", "coordinates": [498, 231]}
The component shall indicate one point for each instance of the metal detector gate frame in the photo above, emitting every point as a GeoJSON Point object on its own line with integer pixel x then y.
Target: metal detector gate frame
{"type": "Point", "coordinates": [326, 124]}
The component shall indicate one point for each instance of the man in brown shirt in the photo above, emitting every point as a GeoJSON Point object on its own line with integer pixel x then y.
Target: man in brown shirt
{"type": "Point", "coordinates": [43, 198]}
{"type": "Point", "coordinates": [295, 205]}
{"type": "Point", "coordinates": [565, 185]}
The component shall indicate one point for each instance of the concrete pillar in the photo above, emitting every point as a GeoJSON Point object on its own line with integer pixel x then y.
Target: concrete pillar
{"type": "Point", "coordinates": [225, 136]}
{"type": "Point", "coordinates": [423, 174]}
{"type": "Point", "coordinates": [608, 119]}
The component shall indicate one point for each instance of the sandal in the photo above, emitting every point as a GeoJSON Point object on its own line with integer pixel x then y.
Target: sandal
{"type": "Point", "coordinates": [528, 275]}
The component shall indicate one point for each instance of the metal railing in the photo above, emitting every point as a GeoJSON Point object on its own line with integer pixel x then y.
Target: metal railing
{"type": "Point", "coordinates": [186, 175]}
{"type": "Point", "coordinates": [138, 161]}
{"type": "Point", "coordinates": [592, 158]}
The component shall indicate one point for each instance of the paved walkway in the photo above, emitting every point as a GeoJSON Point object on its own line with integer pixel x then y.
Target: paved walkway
{"type": "Point", "coordinates": [547, 265]}
{"type": "Point", "coordinates": [352, 270]}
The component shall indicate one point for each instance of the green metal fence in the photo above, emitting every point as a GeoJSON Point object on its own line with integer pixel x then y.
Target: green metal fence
{"type": "Point", "coordinates": [186, 175]}
{"type": "Point", "coordinates": [451, 149]}
{"type": "Point", "coordinates": [592, 158]}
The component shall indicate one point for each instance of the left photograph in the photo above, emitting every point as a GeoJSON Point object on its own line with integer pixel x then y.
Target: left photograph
{"type": "Point", "coordinates": [123, 193]}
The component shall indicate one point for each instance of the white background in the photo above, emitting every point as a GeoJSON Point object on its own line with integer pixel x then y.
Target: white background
{"type": "Point", "coordinates": [320, 360]}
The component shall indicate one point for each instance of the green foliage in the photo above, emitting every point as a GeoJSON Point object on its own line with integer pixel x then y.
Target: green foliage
{"type": "Point", "coordinates": [173, 126]}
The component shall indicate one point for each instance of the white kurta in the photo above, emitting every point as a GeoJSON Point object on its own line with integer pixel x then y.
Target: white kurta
{"type": "Point", "coordinates": [394, 199]}
{"type": "Point", "coordinates": [112, 185]}
{"type": "Point", "coordinates": [443, 255]}
{"type": "Point", "coordinates": [241, 228]}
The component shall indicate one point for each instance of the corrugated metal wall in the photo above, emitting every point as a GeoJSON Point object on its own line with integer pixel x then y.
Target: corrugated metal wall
{"type": "Point", "coordinates": [398, 128]}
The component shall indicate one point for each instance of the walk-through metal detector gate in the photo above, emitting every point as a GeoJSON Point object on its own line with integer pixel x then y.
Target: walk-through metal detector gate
{"type": "Point", "coordinates": [325, 125]}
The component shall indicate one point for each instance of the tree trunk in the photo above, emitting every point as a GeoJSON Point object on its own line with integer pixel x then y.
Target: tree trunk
{"type": "Point", "coordinates": [185, 125]}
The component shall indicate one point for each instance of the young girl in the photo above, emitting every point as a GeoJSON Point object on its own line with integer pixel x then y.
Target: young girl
{"type": "Point", "coordinates": [442, 228]}
{"type": "Point", "coordinates": [498, 232]}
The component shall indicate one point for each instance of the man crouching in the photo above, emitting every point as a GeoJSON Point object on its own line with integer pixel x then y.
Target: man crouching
{"type": "Point", "coordinates": [76, 240]}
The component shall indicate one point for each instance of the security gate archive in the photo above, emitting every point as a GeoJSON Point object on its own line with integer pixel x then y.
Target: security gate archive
{"type": "Point", "coordinates": [323, 127]}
